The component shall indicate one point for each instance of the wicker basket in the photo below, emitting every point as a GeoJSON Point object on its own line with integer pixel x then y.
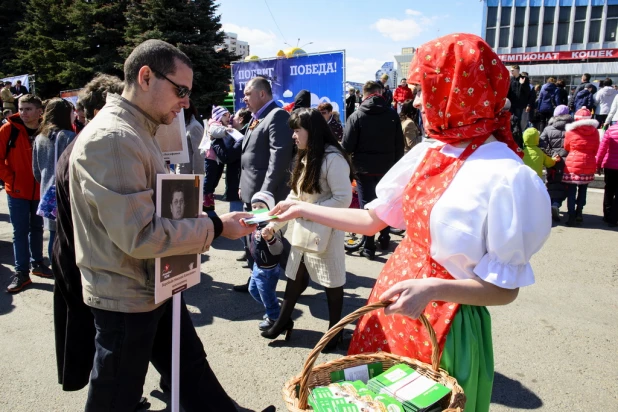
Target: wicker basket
{"type": "Point", "coordinates": [311, 377]}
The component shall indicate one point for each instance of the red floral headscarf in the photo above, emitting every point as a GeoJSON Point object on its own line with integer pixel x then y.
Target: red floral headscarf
{"type": "Point", "coordinates": [464, 85]}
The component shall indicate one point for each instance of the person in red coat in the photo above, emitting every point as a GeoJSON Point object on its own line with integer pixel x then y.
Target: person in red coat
{"type": "Point", "coordinates": [582, 143]}
{"type": "Point", "coordinates": [402, 93]}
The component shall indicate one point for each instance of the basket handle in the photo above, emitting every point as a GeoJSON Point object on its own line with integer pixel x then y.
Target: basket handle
{"type": "Point", "coordinates": [303, 393]}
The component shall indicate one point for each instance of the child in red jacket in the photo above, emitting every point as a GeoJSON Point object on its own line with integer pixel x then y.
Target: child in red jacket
{"type": "Point", "coordinates": [582, 143]}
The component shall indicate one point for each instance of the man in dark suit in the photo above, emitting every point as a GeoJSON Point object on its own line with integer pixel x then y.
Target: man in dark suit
{"type": "Point", "coordinates": [19, 89]}
{"type": "Point", "coordinates": [267, 149]}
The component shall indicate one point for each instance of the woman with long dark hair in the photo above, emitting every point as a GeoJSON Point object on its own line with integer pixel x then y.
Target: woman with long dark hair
{"type": "Point", "coordinates": [322, 175]}
{"type": "Point", "coordinates": [55, 134]}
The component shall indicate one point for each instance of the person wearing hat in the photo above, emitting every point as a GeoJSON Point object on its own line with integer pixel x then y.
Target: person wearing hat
{"type": "Point", "coordinates": [469, 205]}
{"type": "Point", "coordinates": [217, 128]}
{"type": "Point", "coordinates": [553, 144]}
{"type": "Point", "coordinates": [534, 157]}
{"type": "Point", "coordinates": [265, 247]}
{"type": "Point", "coordinates": [582, 142]}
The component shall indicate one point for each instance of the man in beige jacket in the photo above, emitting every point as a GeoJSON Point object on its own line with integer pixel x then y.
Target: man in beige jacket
{"type": "Point", "coordinates": [113, 171]}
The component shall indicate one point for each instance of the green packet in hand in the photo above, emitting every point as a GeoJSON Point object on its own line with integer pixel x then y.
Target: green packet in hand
{"type": "Point", "coordinates": [259, 216]}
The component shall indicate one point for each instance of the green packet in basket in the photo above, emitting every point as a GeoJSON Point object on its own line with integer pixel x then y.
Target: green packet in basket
{"type": "Point", "coordinates": [351, 397]}
{"type": "Point", "coordinates": [358, 373]}
{"type": "Point", "coordinates": [416, 392]}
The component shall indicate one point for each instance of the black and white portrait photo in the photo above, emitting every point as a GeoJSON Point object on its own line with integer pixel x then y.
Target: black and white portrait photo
{"type": "Point", "coordinates": [180, 199]}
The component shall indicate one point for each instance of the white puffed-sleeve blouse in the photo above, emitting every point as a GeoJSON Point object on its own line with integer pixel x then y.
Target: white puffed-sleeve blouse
{"type": "Point", "coordinates": [488, 223]}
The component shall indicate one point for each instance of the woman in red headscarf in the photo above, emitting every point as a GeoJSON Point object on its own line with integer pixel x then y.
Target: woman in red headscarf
{"type": "Point", "coordinates": [470, 209]}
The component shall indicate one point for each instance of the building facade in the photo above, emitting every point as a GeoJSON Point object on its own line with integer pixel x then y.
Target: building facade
{"type": "Point", "coordinates": [235, 46]}
{"type": "Point", "coordinates": [403, 61]}
{"type": "Point", "coordinates": [561, 38]}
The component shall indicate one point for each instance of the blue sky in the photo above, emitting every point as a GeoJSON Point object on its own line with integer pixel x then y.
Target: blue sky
{"type": "Point", "coordinates": [371, 32]}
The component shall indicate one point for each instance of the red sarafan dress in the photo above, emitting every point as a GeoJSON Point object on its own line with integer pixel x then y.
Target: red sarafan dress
{"type": "Point", "coordinates": [412, 260]}
{"type": "Point", "coordinates": [463, 90]}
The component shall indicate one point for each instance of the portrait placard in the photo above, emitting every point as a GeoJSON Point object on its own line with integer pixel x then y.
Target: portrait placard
{"type": "Point", "coordinates": [172, 140]}
{"type": "Point", "coordinates": [178, 197]}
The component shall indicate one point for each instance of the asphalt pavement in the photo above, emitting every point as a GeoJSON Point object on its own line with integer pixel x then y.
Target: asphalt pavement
{"type": "Point", "coordinates": [554, 347]}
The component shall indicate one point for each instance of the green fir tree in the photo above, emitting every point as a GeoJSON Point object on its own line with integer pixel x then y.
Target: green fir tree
{"type": "Point", "coordinates": [10, 18]}
{"type": "Point", "coordinates": [195, 28]}
{"type": "Point", "coordinates": [64, 43]}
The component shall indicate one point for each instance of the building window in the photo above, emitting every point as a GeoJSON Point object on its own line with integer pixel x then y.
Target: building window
{"type": "Point", "coordinates": [611, 25]}
{"type": "Point", "coordinates": [518, 34]}
{"type": "Point", "coordinates": [548, 26]}
{"type": "Point", "coordinates": [594, 33]}
{"type": "Point", "coordinates": [563, 25]}
{"type": "Point", "coordinates": [533, 26]}
{"type": "Point", "coordinates": [492, 21]}
{"type": "Point", "coordinates": [505, 26]}
{"type": "Point", "coordinates": [580, 24]}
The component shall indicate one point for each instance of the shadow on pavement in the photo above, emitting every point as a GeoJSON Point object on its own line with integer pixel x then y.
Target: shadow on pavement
{"type": "Point", "coordinates": [217, 299]}
{"type": "Point", "coordinates": [165, 398]}
{"type": "Point", "coordinates": [6, 299]}
{"type": "Point", "coordinates": [512, 394]}
{"type": "Point", "coordinates": [590, 222]}
{"type": "Point", "coordinates": [307, 339]}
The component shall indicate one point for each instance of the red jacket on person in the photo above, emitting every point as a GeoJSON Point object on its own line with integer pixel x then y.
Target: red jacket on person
{"type": "Point", "coordinates": [582, 143]}
{"type": "Point", "coordinates": [16, 169]}
{"type": "Point", "coordinates": [402, 93]}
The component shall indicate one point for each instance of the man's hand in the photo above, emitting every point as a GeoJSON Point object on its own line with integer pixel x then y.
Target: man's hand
{"type": "Point", "coordinates": [234, 227]}
{"type": "Point", "coordinates": [527, 109]}
{"type": "Point", "coordinates": [287, 210]}
{"type": "Point", "coordinates": [522, 80]}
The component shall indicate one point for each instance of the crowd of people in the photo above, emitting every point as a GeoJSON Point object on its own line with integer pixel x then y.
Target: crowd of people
{"type": "Point", "coordinates": [442, 156]}
{"type": "Point", "coordinates": [561, 136]}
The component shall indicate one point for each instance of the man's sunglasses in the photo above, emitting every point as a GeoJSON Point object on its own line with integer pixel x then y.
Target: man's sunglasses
{"type": "Point", "coordinates": [181, 91]}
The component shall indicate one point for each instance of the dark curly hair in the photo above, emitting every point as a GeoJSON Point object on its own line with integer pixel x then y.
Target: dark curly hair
{"type": "Point", "coordinates": [319, 136]}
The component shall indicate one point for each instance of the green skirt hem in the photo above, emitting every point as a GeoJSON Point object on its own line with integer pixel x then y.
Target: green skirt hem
{"type": "Point", "coordinates": [468, 356]}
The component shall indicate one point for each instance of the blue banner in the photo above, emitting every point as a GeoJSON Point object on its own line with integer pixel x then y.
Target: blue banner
{"type": "Point", "coordinates": [321, 74]}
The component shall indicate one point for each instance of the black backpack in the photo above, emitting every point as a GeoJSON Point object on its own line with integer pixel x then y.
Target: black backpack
{"type": "Point", "coordinates": [12, 139]}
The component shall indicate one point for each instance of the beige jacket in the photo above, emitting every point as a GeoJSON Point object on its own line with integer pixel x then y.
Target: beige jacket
{"type": "Point", "coordinates": [8, 101]}
{"type": "Point", "coordinates": [328, 268]}
{"type": "Point", "coordinates": [113, 174]}
{"type": "Point", "coordinates": [412, 136]}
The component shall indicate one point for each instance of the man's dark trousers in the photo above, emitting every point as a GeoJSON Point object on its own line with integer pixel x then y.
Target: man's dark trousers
{"type": "Point", "coordinates": [127, 342]}
{"type": "Point", "coordinates": [366, 189]}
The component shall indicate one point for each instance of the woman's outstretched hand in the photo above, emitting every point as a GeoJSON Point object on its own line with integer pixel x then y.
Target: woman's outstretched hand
{"type": "Point", "coordinates": [287, 210]}
{"type": "Point", "coordinates": [410, 297]}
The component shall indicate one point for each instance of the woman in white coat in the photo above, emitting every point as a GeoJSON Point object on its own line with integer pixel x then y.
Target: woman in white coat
{"type": "Point", "coordinates": [322, 175]}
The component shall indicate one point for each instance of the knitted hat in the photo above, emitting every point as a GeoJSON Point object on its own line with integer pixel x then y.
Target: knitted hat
{"type": "Point", "coordinates": [218, 112]}
{"type": "Point", "coordinates": [266, 197]}
{"type": "Point", "coordinates": [583, 113]}
{"type": "Point", "coordinates": [561, 110]}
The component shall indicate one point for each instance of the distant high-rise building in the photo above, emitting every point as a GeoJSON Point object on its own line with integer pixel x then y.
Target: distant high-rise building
{"type": "Point", "coordinates": [235, 46]}
{"type": "Point", "coordinates": [403, 62]}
